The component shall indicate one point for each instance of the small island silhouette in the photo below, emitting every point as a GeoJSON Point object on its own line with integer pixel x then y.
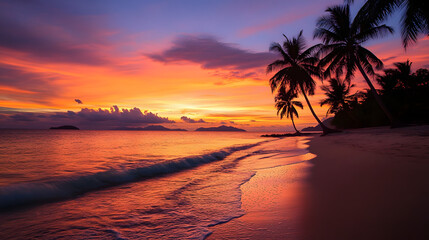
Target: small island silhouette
{"type": "Point", "coordinates": [65, 127]}
{"type": "Point", "coordinates": [222, 128]}
{"type": "Point", "coordinates": [151, 128]}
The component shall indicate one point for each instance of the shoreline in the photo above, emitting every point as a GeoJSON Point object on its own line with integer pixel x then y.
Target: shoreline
{"type": "Point", "coordinates": [369, 184]}
{"type": "Point", "coordinates": [271, 198]}
{"type": "Point", "coordinates": [366, 183]}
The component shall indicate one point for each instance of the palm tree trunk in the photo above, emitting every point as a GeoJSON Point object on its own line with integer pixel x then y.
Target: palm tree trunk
{"type": "Point", "coordinates": [293, 123]}
{"type": "Point", "coordinates": [376, 96]}
{"type": "Point", "coordinates": [325, 129]}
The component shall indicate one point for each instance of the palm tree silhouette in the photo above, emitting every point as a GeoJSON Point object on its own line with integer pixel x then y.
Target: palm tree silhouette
{"type": "Point", "coordinates": [295, 69]}
{"type": "Point", "coordinates": [343, 51]}
{"type": "Point", "coordinates": [400, 77]}
{"type": "Point", "coordinates": [415, 18]}
{"type": "Point", "coordinates": [337, 95]}
{"type": "Point", "coordinates": [286, 105]}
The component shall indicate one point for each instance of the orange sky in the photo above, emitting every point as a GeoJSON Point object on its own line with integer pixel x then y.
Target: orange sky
{"type": "Point", "coordinates": [128, 75]}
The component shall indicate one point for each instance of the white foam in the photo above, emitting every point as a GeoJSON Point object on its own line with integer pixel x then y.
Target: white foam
{"type": "Point", "coordinates": [31, 193]}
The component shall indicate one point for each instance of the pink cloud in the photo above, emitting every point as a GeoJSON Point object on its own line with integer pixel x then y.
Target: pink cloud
{"type": "Point", "coordinates": [287, 18]}
{"type": "Point", "coordinates": [211, 53]}
{"type": "Point", "coordinates": [85, 118]}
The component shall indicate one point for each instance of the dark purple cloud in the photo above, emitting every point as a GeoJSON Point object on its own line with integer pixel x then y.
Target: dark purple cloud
{"type": "Point", "coordinates": [33, 86]}
{"type": "Point", "coordinates": [24, 117]}
{"type": "Point", "coordinates": [85, 118]}
{"type": "Point", "coordinates": [78, 101]}
{"type": "Point", "coordinates": [48, 32]}
{"type": "Point", "coordinates": [237, 75]}
{"type": "Point", "coordinates": [190, 120]}
{"type": "Point", "coordinates": [212, 54]}
{"type": "Point", "coordinates": [134, 115]}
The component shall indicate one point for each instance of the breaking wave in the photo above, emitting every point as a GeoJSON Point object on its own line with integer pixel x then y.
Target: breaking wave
{"type": "Point", "coordinates": [23, 194]}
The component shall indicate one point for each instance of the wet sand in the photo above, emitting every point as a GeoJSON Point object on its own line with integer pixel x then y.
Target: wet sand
{"type": "Point", "coordinates": [369, 184]}
{"type": "Point", "coordinates": [271, 198]}
{"type": "Point", "coordinates": [363, 184]}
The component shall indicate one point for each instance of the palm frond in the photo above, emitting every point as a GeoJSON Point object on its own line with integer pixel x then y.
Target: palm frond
{"type": "Point", "coordinates": [276, 47]}
{"type": "Point", "coordinates": [370, 57]}
{"type": "Point", "coordinates": [275, 65]}
{"type": "Point", "coordinates": [373, 33]}
{"type": "Point", "coordinates": [413, 22]}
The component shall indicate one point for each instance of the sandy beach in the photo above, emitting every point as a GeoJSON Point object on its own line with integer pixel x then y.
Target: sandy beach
{"type": "Point", "coordinates": [271, 199]}
{"type": "Point", "coordinates": [369, 184]}
{"type": "Point", "coordinates": [363, 184]}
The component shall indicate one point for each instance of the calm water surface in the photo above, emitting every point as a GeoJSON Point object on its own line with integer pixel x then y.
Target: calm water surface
{"type": "Point", "coordinates": [124, 184]}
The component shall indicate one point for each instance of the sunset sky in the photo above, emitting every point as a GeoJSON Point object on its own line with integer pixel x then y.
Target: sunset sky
{"type": "Point", "coordinates": [106, 64]}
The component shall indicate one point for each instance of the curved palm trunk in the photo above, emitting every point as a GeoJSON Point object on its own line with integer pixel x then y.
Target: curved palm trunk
{"type": "Point", "coordinates": [325, 129]}
{"type": "Point", "coordinates": [376, 96]}
{"type": "Point", "coordinates": [293, 123]}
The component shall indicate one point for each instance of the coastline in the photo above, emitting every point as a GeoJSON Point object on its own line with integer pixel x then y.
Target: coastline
{"type": "Point", "coordinates": [369, 184]}
{"type": "Point", "coordinates": [363, 184]}
{"type": "Point", "coordinates": [271, 199]}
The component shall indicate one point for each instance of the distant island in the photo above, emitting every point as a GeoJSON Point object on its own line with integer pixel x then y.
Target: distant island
{"type": "Point", "coordinates": [151, 128]}
{"type": "Point", "coordinates": [66, 127]}
{"type": "Point", "coordinates": [327, 122]}
{"type": "Point", "coordinates": [315, 128]}
{"type": "Point", "coordinates": [222, 128]}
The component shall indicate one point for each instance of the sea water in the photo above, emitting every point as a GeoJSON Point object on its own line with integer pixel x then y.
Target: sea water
{"type": "Point", "coordinates": [65, 184]}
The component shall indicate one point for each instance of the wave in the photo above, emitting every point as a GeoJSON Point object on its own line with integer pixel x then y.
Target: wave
{"type": "Point", "coordinates": [23, 194]}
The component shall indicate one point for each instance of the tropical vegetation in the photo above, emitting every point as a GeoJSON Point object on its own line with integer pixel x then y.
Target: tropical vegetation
{"type": "Point", "coordinates": [294, 70]}
{"type": "Point", "coordinates": [403, 95]}
{"type": "Point", "coordinates": [415, 16]}
{"type": "Point", "coordinates": [406, 92]}
{"type": "Point", "coordinates": [338, 96]}
{"type": "Point", "coordinates": [343, 51]}
{"type": "Point", "coordinates": [285, 105]}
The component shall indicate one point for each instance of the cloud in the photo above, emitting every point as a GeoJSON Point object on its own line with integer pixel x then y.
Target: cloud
{"type": "Point", "coordinates": [24, 117]}
{"type": "Point", "coordinates": [212, 54]}
{"type": "Point", "coordinates": [190, 120]}
{"type": "Point", "coordinates": [78, 101]}
{"type": "Point", "coordinates": [134, 115]}
{"type": "Point", "coordinates": [47, 32]}
{"type": "Point", "coordinates": [23, 84]}
{"type": "Point", "coordinates": [388, 58]}
{"type": "Point", "coordinates": [237, 75]}
{"type": "Point", "coordinates": [284, 19]}
{"type": "Point", "coordinates": [85, 118]}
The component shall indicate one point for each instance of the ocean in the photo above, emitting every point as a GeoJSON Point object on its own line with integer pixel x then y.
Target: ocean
{"type": "Point", "coordinates": [65, 184]}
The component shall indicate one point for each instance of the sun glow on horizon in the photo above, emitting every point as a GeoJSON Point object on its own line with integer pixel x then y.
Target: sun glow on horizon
{"type": "Point", "coordinates": [104, 59]}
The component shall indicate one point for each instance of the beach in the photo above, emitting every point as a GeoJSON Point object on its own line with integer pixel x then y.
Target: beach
{"type": "Point", "coordinates": [271, 199]}
{"type": "Point", "coordinates": [362, 184]}
{"type": "Point", "coordinates": [358, 184]}
{"type": "Point", "coordinates": [369, 184]}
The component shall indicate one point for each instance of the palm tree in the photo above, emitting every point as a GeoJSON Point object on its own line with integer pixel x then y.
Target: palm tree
{"type": "Point", "coordinates": [399, 77]}
{"type": "Point", "coordinates": [343, 51]}
{"type": "Point", "coordinates": [337, 95]}
{"type": "Point", "coordinates": [286, 105]}
{"type": "Point", "coordinates": [415, 18]}
{"type": "Point", "coordinates": [295, 69]}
